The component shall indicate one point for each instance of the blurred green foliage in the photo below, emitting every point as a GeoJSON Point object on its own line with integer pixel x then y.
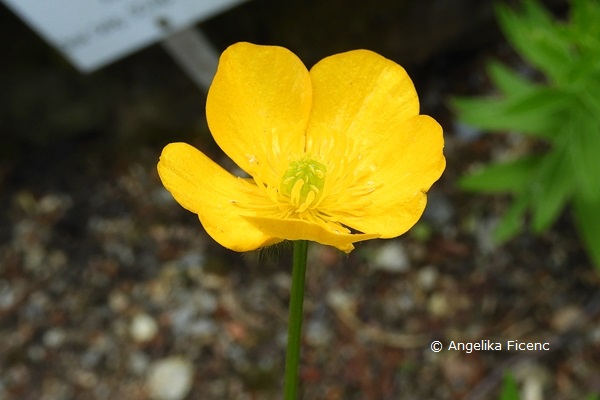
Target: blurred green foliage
{"type": "Point", "coordinates": [510, 390]}
{"type": "Point", "coordinates": [562, 111]}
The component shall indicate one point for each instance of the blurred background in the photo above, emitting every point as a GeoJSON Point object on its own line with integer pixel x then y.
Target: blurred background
{"type": "Point", "coordinates": [110, 290]}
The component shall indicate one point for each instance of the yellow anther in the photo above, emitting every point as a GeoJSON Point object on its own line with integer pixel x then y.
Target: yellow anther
{"type": "Point", "coordinates": [303, 182]}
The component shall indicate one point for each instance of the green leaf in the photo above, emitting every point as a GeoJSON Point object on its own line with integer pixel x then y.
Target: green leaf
{"type": "Point", "coordinates": [537, 38]}
{"type": "Point", "coordinates": [544, 100]}
{"type": "Point", "coordinates": [551, 189]}
{"type": "Point", "coordinates": [583, 133]}
{"type": "Point", "coordinates": [512, 222]}
{"type": "Point", "coordinates": [508, 81]}
{"type": "Point", "coordinates": [584, 147]}
{"type": "Point", "coordinates": [565, 112]}
{"type": "Point", "coordinates": [587, 217]}
{"type": "Point", "coordinates": [584, 27]}
{"type": "Point", "coordinates": [581, 17]}
{"type": "Point", "coordinates": [535, 112]}
{"type": "Point", "coordinates": [510, 390]}
{"type": "Point", "coordinates": [590, 93]}
{"type": "Point", "coordinates": [512, 176]}
{"type": "Point", "coordinates": [536, 13]}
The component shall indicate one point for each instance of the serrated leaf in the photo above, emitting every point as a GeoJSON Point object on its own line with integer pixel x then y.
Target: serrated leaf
{"type": "Point", "coordinates": [512, 176]}
{"type": "Point", "coordinates": [513, 220]}
{"type": "Point", "coordinates": [508, 81]}
{"type": "Point", "coordinates": [587, 217]}
{"type": "Point", "coordinates": [510, 390]}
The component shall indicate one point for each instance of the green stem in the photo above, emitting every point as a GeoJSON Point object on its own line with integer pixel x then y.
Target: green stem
{"type": "Point", "coordinates": [292, 359]}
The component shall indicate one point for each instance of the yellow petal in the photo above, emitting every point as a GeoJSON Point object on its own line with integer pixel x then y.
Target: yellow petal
{"type": "Point", "coordinates": [382, 155]}
{"type": "Point", "coordinates": [407, 166]}
{"type": "Point", "coordinates": [204, 188]}
{"type": "Point", "coordinates": [359, 97]}
{"type": "Point", "coordinates": [258, 106]}
{"type": "Point", "coordinates": [296, 229]}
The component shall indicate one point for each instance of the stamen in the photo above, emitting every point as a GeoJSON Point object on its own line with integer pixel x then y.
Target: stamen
{"type": "Point", "coordinates": [295, 194]}
{"type": "Point", "coordinates": [303, 183]}
{"type": "Point", "coordinates": [307, 202]}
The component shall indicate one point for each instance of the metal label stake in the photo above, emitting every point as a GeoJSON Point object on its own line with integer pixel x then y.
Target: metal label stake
{"type": "Point", "coordinates": [194, 54]}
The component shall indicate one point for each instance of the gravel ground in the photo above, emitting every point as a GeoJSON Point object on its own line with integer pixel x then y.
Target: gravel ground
{"type": "Point", "coordinates": [110, 290]}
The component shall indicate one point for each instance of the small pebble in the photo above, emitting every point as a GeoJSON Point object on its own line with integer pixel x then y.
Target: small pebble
{"type": "Point", "coordinates": [438, 305]}
{"type": "Point", "coordinates": [466, 133]}
{"type": "Point", "coordinates": [117, 301]}
{"type": "Point", "coordinates": [162, 197]}
{"type": "Point", "coordinates": [203, 329]}
{"type": "Point", "coordinates": [427, 277]}
{"type": "Point", "coordinates": [391, 257]}
{"type": "Point", "coordinates": [535, 380]}
{"type": "Point", "coordinates": [36, 353]}
{"type": "Point", "coordinates": [594, 335]}
{"type": "Point", "coordinates": [7, 294]}
{"type": "Point", "coordinates": [340, 300]}
{"type": "Point", "coordinates": [170, 379]}
{"type": "Point", "coordinates": [205, 301]}
{"type": "Point", "coordinates": [143, 328]}
{"type": "Point", "coordinates": [318, 333]}
{"type": "Point", "coordinates": [138, 362]}
{"type": "Point", "coordinates": [54, 337]}
{"type": "Point", "coordinates": [34, 258]}
{"type": "Point", "coordinates": [85, 379]}
{"type": "Point", "coordinates": [567, 318]}
{"type": "Point", "coordinates": [181, 317]}
{"type": "Point", "coordinates": [440, 210]}
{"type": "Point", "coordinates": [51, 204]}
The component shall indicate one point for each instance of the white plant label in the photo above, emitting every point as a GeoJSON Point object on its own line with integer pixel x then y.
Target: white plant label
{"type": "Point", "coordinates": [93, 33]}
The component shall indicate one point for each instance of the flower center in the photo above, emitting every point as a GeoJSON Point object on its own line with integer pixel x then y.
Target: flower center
{"type": "Point", "coordinates": [303, 183]}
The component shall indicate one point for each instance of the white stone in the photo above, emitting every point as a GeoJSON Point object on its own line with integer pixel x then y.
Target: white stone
{"type": "Point", "coordinates": [170, 379]}
{"type": "Point", "coordinates": [427, 277]}
{"type": "Point", "coordinates": [118, 302]}
{"type": "Point", "coordinates": [391, 257]}
{"type": "Point", "coordinates": [438, 305]}
{"type": "Point", "coordinates": [54, 337]}
{"type": "Point", "coordinates": [318, 333]}
{"type": "Point", "coordinates": [143, 328]}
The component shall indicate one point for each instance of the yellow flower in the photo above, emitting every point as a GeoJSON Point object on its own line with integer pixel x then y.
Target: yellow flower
{"type": "Point", "coordinates": [336, 155]}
